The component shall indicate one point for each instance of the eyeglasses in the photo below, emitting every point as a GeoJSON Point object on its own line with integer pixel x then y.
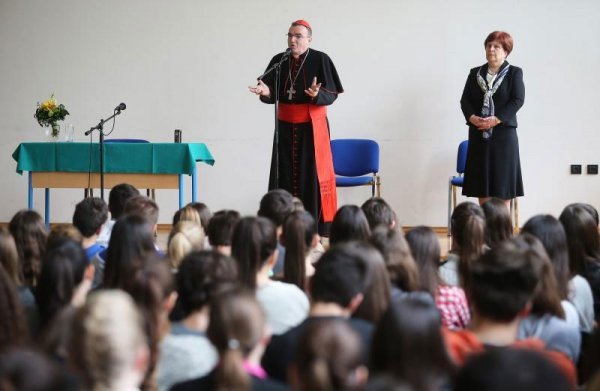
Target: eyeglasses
{"type": "Point", "coordinates": [297, 36]}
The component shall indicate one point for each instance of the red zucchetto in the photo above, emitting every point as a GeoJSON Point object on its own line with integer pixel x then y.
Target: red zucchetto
{"type": "Point", "coordinates": [302, 22]}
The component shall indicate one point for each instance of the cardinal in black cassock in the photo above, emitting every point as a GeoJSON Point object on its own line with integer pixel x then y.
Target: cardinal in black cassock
{"type": "Point", "coordinates": [308, 84]}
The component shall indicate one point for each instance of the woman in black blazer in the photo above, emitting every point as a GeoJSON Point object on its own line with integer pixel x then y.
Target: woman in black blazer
{"type": "Point", "coordinates": [493, 94]}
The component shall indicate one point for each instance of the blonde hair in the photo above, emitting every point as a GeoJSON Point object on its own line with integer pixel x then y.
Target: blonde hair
{"type": "Point", "coordinates": [185, 237]}
{"type": "Point", "coordinates": [189, 213]}
{"type": "Point", "coordinates": [106, 338]}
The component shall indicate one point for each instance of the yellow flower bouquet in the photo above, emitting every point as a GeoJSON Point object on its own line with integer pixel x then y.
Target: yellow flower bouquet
{"type": "Point", "coordinates": [49, 112]}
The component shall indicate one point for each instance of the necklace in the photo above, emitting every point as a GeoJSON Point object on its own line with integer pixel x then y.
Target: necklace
{"type": "Point", "coordinates": [292, 91]}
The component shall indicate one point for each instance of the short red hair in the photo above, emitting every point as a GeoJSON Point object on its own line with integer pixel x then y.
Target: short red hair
{"type": "Point", "coordinates": [503, 38]}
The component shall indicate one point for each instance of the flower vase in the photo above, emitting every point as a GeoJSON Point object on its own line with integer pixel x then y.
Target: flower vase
{"type": "Point", "coordinates": [53, 132]}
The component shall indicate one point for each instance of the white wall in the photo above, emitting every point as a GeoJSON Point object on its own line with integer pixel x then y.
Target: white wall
{"type": "Point", "coordinates": [187, 64]}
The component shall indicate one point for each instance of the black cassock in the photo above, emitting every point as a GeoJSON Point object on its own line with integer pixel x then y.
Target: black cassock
{"type": "Point", "coordinates": [297, 166]}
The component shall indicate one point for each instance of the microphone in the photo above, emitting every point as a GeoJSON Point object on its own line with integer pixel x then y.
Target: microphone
{"type": "Point", "coordinates": [286, 54]}
{"type": "Point", "coordinates": [120, 107]}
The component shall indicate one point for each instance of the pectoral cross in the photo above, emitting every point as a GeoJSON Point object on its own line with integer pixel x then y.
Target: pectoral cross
{"type": "Point", "coordinates": [291, 92]}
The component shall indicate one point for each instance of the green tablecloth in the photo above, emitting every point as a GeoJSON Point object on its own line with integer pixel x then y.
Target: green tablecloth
{"type": "Point", "coordinates": [148, 158]}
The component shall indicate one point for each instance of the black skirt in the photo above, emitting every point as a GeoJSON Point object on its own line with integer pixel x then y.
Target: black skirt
{"type": "Point", "coordinates": [493, 166]}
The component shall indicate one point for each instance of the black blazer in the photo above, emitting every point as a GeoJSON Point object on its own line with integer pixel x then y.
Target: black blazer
{"type": "Point", "coordinates": [508, 99]}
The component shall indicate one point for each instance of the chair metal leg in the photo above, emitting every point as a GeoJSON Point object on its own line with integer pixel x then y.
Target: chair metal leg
{"type": "Point", "coordinates": [378, 185]}
{"type": "Point", "coordinates": [449, 205]}
{"type": "Point", "coordinates": [514, 214]}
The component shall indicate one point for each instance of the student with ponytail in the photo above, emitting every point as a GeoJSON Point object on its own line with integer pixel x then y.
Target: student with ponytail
{"type": "Point", "coordinates": [329, 358]}
{"type": "Point", "coordinates": [152, 287]}
{"type": "Point", "coordinates": [254, 247]}
{"type": "Point", "coordinates": [450, 300]}
{"type": "Point", "coordinates": [185, 237]}
{"type": "Point", "coordinates": [497, 220]}
{"type": "Point", "coordinates": [238, 329]}
{"type": "Point", "coordinates": [468, 242]}
{"type": "Point", "coordinates": [299, 237]}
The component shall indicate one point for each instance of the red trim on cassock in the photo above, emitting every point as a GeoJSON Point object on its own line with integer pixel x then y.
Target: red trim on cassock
{"type": "Point", "coordinates": [317, 115]}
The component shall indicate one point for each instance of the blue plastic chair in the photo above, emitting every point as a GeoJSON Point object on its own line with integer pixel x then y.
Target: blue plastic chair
{"type": "Point", "coordinates": [457, 180]}
{"type": "Point", "coordinates": [353, 160]}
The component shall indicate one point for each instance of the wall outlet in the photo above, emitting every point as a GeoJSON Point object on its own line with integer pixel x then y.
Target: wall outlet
{"type": "Point", "coordinates": [575, 169]}
{"type": "Point", "coordinates": [592, 169]}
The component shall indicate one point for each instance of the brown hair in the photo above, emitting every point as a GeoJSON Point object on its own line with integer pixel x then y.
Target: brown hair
{"type": "Point", "coordinates": [298, 230]}
{"type": "Point", "coordinates": [28, 229]}
{"type": "Point", "coordinates": [9, 258]}
{"type": "Point", "coordinates": [468, 236]}
{"type": "Point", "coordinates": [498, 222]}
{"type": "Point", "coordinates": [377, 292]}
{"type": "Point", "coordinates": [59, 232]}
{"type": "Point", "coordinates": [13, 331]}
{"type": "Point", "coordinates": [328, 354]}
{"type": "Point", "coordinates": [237, 325]}
{"type": "Point", "coordinates": [150, 286]}
{"type": "Point", "coordinates": [399, 261]}
{"type": "Point", "coordinates": [143, 206]}
{"type": "Point", "coordinates": [425, 248]}
{"type": "Point", "coordinates": [503, 38]}
{"type": "Point", "coordinates": [546, 298]}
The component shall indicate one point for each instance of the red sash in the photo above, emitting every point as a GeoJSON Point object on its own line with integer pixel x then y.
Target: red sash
{"type": "Point", "coordinates": [317, 115]}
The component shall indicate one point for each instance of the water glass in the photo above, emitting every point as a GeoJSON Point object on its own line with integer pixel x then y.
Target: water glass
{"type": "Point", "coordinates": [69, 133]}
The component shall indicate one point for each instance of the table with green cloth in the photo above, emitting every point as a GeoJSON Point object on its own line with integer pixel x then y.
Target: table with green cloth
{"type": "Point", "coordinates": [77, 165]}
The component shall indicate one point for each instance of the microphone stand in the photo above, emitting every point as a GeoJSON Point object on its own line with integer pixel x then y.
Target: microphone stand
{"type": "Point", "coordinates": [100, 128]}
{"type": "Point", "coordinates": [277, 68]}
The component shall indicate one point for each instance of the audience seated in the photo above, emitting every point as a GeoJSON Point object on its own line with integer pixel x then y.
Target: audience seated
{"type": "Point", "coordinates": [299, 236]}
{"type": "Point", "coordinates": [468, 242]}
{"type": "Point", "coordinates": [401, 267]}
{"type": "Point", "coordinates": [238, 329]}
{"type": "Point", "coordinates": [29, 232]}
{"type": "Point", "coordinates": [254, 247]}
{"type": "Point", "coordinates": [220, 230]}
{"type": "Point", "coordinates": [108, 346]}
{"type": "Point", "coordinates": [185, 237]}
{"type": "Point", "coordinates": [153, 289]}
{"type": "Point", "coordinates": [13, 325]}
{"type": "Point", "coordinates": [204, 213]}
{"type": "Point", "coordinates": [378, 300]}
{"type": "Point", "coordinates": [89, 217]}
{"type": "Point", "coordinates": [574, 291]}
{"type": "Point", "coordinates": [450, 300]}
{"type": "Point", "coordinates": [511, 369]}
{"type": "Point", "coordinates": [377, 290]}
{"type": "Point", "coordinates": [336, 291]}
{"type": "Point", "coordinates": [275, 205]}
{"type": "Point", "coordinates": [59, 233]}
{"type": "Point", "coordinates": [408, 346]}
{"type": "Point", "coordinates": [498, 223]}
{"type": "Point", "coordinates": [9, 259]}
{"type": "Point", "coordinates": [29, 370]}
{"type": "Point", "coordinates": [500, 288]}
{"type": "Point", "coordinates": [349, 223]}
{"type": "Point", "coordinates": [66, 279]}
{"type": "Point", "coordinates": [132, 243]}
{"type": "Point", "coordinates": [187, 213]}
{"type": "Point", "coordinates": [185, 352]}
{"type": "Point", "coordinates": [546, 319]}
{"type": "Point", "coordinates": [584, 247]}
{"type": "Point", "coordinates": [329, 357]}
{"type": "Point", "coordinates": [378, 212]}
{"type": "Point", "coordinates": [117, 198]}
